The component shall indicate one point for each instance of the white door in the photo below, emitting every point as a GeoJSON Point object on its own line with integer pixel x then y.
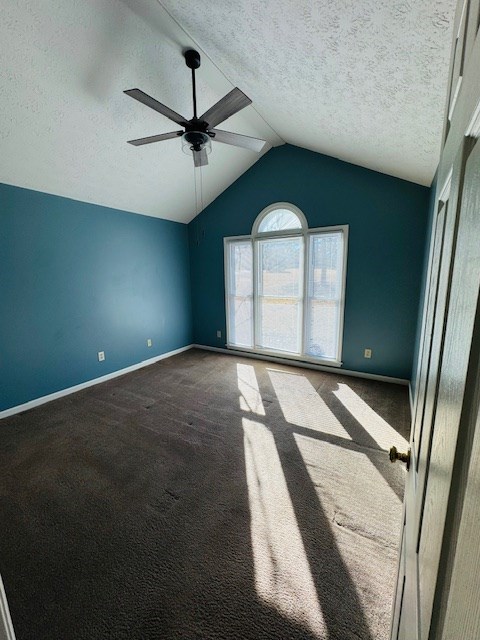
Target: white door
{"type": "Point", "coordinates": [460, 611]}
{"type": "Point", "coordinates": [406, 620]}
{"type": "Point", "coordinates": [441, 422]}
{"type": "Point", "coordinates": [444, 367]}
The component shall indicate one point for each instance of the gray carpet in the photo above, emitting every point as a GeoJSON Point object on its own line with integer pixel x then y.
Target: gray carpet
{"type": "Point", "coordinates": [206, 496]}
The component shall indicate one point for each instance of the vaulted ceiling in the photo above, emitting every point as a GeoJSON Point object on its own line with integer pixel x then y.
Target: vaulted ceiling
{"type": "Point", "coordinates": [361, 80]}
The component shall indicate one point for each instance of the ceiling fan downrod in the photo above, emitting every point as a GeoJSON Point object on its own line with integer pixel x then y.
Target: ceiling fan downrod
{"type": "Point", "coordinates": [192, 60]}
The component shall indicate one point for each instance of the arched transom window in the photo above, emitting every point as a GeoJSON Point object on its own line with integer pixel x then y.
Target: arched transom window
{"type": "Point", "coordinates": [279, 218]}
{"type": "Point", "coordinates": [285, 287]}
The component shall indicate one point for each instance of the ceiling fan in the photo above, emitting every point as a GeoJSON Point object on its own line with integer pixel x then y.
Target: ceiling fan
{"type": "Point", "coordinates": [198, 132]}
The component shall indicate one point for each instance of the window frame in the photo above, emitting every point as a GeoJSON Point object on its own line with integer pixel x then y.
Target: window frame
{"type": "Point", "coordinates": [281, 232]}
{"type": "Point", "coordinates": [306, 233]}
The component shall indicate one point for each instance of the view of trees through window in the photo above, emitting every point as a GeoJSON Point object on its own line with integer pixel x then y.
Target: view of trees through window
{"type": "Point", "coordinates": [280, 293]}
{"type": "Point", "coordinates": [285, 292]}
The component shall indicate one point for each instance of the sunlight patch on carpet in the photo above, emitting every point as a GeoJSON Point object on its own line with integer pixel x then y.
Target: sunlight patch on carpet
{"type": "Point", "coordinates": [282, 574]}
{"type": "Point", "coordinates": [302, 406]}
{"type": "Point", "coordinates": [378, 428]}
{"type": "Point", "coordinates": [352, 490]}
{"type": "Point", "coordinates": [250, 398]}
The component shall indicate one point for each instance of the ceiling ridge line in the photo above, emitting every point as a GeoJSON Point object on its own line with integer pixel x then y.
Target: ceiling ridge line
{"type": "Point", "coordinates": [187, 33]}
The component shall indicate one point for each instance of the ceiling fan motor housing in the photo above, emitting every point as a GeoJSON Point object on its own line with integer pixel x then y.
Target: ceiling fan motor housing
{"type": "Point", "coordinates": [192, 59]}
{"type": "Point", "coordinates": [196, 139]}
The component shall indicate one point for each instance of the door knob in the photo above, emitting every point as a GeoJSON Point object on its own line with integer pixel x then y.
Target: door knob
{"type": "Point", "coordinates": [403, 457]}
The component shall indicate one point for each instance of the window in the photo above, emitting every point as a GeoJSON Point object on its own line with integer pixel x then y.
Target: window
{"type": "Point", "coordinates": [285, 287]}
{"type": "Point", "coordinates": [279, 220]}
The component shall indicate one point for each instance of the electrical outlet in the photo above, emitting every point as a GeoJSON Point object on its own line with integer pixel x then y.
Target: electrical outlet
{"type": "Point", "coordinates": [219, 334]}
{"type": "Point", "coordinates": [149, 342]}
{"type": "Point", "coordinates": [367, 353]}
{"type": "Point", "coordinates": [101, 356]}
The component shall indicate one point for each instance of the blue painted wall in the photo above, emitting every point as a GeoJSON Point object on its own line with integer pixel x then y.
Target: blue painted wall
{"type": "Point", "coordinates": [77, 278]}
{"type": "Point", "coordinates": [387, 219]}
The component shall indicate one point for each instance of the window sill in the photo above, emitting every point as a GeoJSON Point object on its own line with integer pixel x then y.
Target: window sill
{"type": "Point", "coordinates": [283, 355]}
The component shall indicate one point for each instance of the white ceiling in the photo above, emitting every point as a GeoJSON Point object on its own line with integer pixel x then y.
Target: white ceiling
{"type": "Point", "coordinates": [362, 80]}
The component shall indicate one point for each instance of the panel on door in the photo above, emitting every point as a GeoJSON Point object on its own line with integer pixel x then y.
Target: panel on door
{"type": "Point", "coordinates": [431, 309]}
{"type": "Point", "coordinates": [458, 63]}
{"type": "Point", "coordinates": [472, 26]}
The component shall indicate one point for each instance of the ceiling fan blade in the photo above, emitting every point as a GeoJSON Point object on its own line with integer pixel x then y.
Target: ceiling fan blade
{"type": "Point", "coordinates": [238, 140]}
{"type": "Point", "coordinates": [147, 100]}
{"type": "Point", "coordinates": [226, 107]}
{"type": "Point", "coordinates": [200, 158]}
{"type": "Point", "coordinates": [162, 136]}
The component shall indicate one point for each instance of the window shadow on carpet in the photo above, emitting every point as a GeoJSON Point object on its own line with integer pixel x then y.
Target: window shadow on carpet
{"type": "Point", "coordinates": [177, 502]}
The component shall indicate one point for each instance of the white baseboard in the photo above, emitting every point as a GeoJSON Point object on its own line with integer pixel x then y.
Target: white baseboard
{"type": "Point", "coordinates": [6, 626]}
{"type": "Point", "coordinates": [305, 365]}
{"type": "Point", "coordinates": [244, 354]}
{"type": "Point", "coordinates": [78, 387]}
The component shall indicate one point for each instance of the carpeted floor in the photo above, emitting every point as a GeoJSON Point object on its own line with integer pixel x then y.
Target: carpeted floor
{"type": "Point", "coordinates": [208, 497]}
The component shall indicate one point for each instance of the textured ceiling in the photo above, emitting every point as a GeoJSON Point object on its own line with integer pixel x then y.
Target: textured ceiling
{"type": "Point", "coordinates": [64, 120]}
{"type": "Point", "coordinates": [362, 80]}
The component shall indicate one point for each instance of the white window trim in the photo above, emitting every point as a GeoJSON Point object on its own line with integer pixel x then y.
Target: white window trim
{"type": "Point", "coordinates": [306, 233]}
{"type": "Point", "coordinates": [282, 232]}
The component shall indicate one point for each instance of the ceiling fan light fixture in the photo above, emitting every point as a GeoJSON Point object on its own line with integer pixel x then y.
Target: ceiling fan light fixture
{"type": "Point", "coordinates": [199, 130]}
{"type": "Point", "coordinates": [195, 141]}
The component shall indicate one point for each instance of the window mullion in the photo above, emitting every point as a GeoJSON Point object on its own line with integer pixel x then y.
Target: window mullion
{"type": "Point", "coordinates": [306, 281]}
{"type": "Point", "coordinates": [255, 306]}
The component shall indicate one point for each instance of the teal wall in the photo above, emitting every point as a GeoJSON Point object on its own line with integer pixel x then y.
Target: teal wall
{"type": "Point", "coordinates": [387, 219]}
{"type": "Point", "coordinates": [77, 278]}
